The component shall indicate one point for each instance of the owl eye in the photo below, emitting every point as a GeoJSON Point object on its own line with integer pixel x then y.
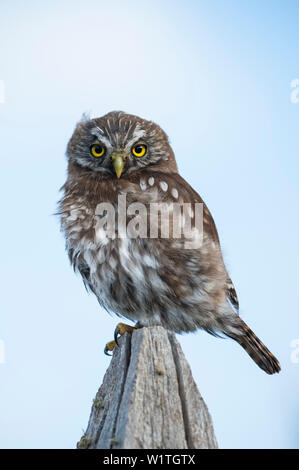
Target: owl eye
{"type": "Point", "coordinates": [97, 150]}
{"type": "Point", "coordinates": [139, 150]}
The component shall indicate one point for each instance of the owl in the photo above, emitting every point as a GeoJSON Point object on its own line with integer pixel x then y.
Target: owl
{"type": "Point", "coordinates": [121, 168]}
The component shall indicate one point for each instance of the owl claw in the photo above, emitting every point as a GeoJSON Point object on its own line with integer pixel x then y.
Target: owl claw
{"type": "Point", "coordinates": [106, 351]}
{"type": "Point", "coordinates": [109, 347]}
{"type": "Point", "coordinates": [120, 330]}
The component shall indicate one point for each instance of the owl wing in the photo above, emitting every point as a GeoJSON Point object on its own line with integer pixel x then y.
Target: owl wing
{"type": "Point", "coordinates": [79, 265]}
{"type": "Point", "coordinates": [209, 227]}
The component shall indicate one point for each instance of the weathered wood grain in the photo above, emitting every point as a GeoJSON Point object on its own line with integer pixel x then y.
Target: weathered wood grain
{"type": "Point", "coordinates": [148, 398]}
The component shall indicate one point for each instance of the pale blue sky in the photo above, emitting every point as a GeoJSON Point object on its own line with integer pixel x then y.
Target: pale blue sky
{"type": "Point", "coordinates": [216, 76]}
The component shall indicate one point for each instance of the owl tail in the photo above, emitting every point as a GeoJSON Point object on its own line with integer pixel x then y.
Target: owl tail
{"type": "Point", "coordinates": [255, 348]}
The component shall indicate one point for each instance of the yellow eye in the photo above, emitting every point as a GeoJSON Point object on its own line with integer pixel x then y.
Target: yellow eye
{"type": "Point", "coordinates": [139, 150]}
{"type": "Point", "coordinates": [97, 150]}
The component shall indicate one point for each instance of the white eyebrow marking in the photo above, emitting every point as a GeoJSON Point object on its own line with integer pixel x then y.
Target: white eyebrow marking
{"type": "Point", "coordinates": [151, 181]}
{"type": "Point", "coordinates": [101, 137]}
{"type": "Point", "coordinates": [137, 135]}
{"type": "Point", "coordinates": [100, 130]}
{"type": "Point", "coordinates": [106, 141]}
{"type": "Point", "coordinates": [96, 131]}
{"type": "Point", "coordinates": [163, 185]}
{"type": "Point", "coordinates": [138, 132]}
{"type": "Point", "coordinates": [175, 193]}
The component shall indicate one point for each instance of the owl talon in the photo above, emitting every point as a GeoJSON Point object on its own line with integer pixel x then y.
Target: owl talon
{"type": "Point", "coordinates": [109, 347]}
{"type": "Point", "coordinates": [121, 329]}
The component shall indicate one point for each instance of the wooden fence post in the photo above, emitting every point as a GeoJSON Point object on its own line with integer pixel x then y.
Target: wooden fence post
{"type": "Point", "coordinates": [148, 399]}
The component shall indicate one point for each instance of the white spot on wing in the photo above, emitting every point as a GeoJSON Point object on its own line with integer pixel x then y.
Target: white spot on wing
{"type": "Point", "coordinates": [143, 185]}
{"type": "Point", "coordinates": [151, 181]}
{"type": "Point", "coordinates": [175, 193]}
{"type": "Point", "coordinates": [163, 185]}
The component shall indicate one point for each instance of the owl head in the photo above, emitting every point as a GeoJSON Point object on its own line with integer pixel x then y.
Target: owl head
{"type": "Point", "coordinates": [118, 144]}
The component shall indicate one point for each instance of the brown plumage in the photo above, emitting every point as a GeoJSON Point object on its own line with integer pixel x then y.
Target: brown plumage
{"type": "Point", "coordinates": [151, 280]}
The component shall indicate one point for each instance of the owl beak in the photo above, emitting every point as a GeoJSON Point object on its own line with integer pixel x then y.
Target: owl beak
{"type": "Point", "coordinates": [118, 163]}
